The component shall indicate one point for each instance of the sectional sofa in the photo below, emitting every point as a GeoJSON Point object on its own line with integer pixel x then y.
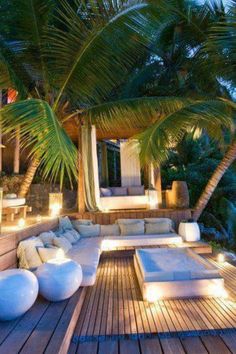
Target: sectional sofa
{"type": "Point", "coordinates": [85, 242]}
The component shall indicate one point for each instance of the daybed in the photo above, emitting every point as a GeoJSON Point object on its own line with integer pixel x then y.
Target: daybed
{"type": "Point", "coordinates": [116, 198]}
{"type": "Point", "coordinates": [88, 241]}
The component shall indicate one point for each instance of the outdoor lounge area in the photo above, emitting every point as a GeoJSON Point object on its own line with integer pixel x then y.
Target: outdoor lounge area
{"type": "Point", "coordinates": [117, 177]}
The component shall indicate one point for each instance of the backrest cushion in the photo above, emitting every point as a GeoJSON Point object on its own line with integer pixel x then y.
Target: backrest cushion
{"type": "Point", "coordinates": [27, 253]}
{"type": "Point", "coordinates": [47, 237]}
{"type": "Point", "coordinates": [110, 230]}
{"type": "Point", "coordinates": [46, 254]}
{"type": "Point", "coordinates": [119, 191]}
{"type": "Point", "coordinates": [164, 223]}
{"type": "Point", "coordinates": [136, 190]}
{"type": "Point", "coordinates": [63, 243]}
{"type": "Point", "coordinates": [76, 223]}
{"type": "Point", "coordinates": [106, 192]}
{"type": "Point", "coordinates": [89, 230]}
{"type": "Point", "coordinates": [132, 229]}
{"type": "Point", "coordinates": [129, 221]}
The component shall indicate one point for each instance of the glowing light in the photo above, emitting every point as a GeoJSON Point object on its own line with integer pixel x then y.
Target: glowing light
{"type": "Point", "coordinates": [21, 222]}
{"type": "Point", "coordinates": [152, 294]}
{"type": "Point", "coordinates": [108, 245]}
{"type": "Point", "coordinates": [152, 196]}
{"type": "Point", "coordinates": [38, 218]}
{"type": "Point", "coordinates": [60, 254]}
{"type": "Point", "coordinates": [106, 210]}
{"type": "Point", "coordinates": [221, 258]}
{"type": "Point", "coordinates": [55, 203]}
{"type": "Point", "coordinates": [218, 290]}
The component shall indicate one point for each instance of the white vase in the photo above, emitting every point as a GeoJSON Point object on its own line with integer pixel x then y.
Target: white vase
{"type": "Point", "coordinates": [189, 231]}
{"type": "Point", "coordinates": [59, 279]}
{"type": "Point", "coordinates": [18, 292]}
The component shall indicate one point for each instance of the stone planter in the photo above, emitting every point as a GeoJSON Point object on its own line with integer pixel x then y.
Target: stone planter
{"type": "Point", "coordinates": [189, 231]}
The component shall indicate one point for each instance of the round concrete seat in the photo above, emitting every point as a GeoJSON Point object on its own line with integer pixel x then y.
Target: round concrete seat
{"type": "Point", "coordinates": [18, 292]}
{"type": "Point", "coordinates": [59, 279]}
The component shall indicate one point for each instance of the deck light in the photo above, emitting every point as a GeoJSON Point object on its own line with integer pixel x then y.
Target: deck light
{"type": "Point", "coordinates": [21, 223]}
{"type": "Point", "coordinates": [55, 203]}
{"type": "Point", "coordinates": [221, 258]}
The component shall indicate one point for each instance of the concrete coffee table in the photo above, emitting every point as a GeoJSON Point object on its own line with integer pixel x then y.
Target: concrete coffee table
{"type": "Point", "coordinates": [165, 273]}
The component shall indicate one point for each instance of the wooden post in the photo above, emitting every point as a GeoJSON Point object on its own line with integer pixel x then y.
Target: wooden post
{"type": "Point", "coordinates": [80, 192]}
{"type": "Point", "coordinates": [157, 179]}
{"type": "Point", "coordinates": [104, 163]}
{"type": "Point", "coordinates": [16, 168]}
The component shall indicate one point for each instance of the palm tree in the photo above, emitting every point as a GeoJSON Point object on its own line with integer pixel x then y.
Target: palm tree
{"type": "Point", "coordinates": [70, 59]}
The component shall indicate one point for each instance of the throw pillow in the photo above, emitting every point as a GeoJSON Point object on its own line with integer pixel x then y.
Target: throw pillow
{"type": "Point", "coordinates": [70, 235]}
{"type": "Point", "coordinates": [63, 243]}
{"type": "Point", "coordinates": [110, 230]}
{"type": "Point", "coordinates": [76, 223]}
{"type": "Point", "coordinates": [89, 230]}
{"type": "Point", "coordinates": [132, 229]}
{"type": "Point", "coordinates": [27, 253]}
{"type": "Point", "coordinates": [119, 191]}
{"type": "Point", "coordinates": [136, 190]}
{"type": "Point", "coordinates": [47, 237]}
{"type": "Point", "coordinates": [46, 254]}
{"type": "Point", "coordinates": [65, 223]}
{"type": "Point", "coordinates": [106, 192]}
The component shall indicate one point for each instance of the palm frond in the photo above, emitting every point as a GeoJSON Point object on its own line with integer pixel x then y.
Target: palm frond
{"type": "Point", "coordinates": [42, 132]}
{"type": "Point", "coordinates": [90, 61]}
{"type": "Point", "coordinates": [213, 116]}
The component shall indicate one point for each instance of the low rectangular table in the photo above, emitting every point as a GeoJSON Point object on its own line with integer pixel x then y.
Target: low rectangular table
{"type": "Point", "coordinates": [169, 273]}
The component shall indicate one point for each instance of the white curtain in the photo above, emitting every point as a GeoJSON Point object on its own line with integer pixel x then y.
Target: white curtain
{"type": "Point", "coordinates": [130, 163]}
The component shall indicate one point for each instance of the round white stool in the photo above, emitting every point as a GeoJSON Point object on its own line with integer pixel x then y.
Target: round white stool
{"type": "Point", "coordinates": [189, 231]}
{"type": "Point", "coordinates": [59, 279]}
{"type": "Point", "coordinates": [18, 292]}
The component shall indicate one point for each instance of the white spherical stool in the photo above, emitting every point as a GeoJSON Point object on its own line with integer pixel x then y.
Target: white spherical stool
{"type": "Point", "coordinates": [59, 279]}
{"type": "Point", "coordinates": [18, 292]}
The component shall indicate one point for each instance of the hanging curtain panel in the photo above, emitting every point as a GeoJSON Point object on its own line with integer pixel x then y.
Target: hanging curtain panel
{"type": "Point", "coordinates": [130, 163]}
{"type": "Point", "coordinates": [90, 166]}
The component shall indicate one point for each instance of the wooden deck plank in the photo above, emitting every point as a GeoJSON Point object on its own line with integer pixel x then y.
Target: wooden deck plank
{"type": "Point", "coordinates": [109, 347]}
{"type": "Point", "coordinates": [230, 340]}
{"type": "Point", "coordinates": [150, 346]}
{"type": "Point", "coordinates": [87, 348]}
{"type": "Point", "coordinates": [215, 345]}
{"type": "Point", "coordinates": [172, 346]}
{"type": "Point", "coordinates": [128, 346]}
{"type": "Point", "coordinates": [193, 345]}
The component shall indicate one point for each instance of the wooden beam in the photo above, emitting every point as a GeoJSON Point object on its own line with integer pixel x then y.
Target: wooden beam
{"type": "Point", "coordinates": [16, 168]}
{"type": "Point", "coordinates": [157, 180]}
{"type": "Point", "coordinates": [104, 167]}
{"type": "Point", "coordinates": [80, 191]}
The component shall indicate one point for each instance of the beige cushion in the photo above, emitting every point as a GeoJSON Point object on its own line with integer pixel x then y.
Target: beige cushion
{"type": "Point", "coordinates": [63, 243]}
{"type": "Point", "coordinates": [28, 254]}
{"type": "Point", "coordinates": [110, 230]}
{"type": "Point", "coordinates": [89, 230]}
{"type": "Point", "coordinates": [157, 228]}
{"type": "Point", "coordinates": [119, 191]}
{"type": "Point", "coordinates": [47, 237]}
{"type": "Point", "coordinates": [129, 221]}
{"type": "Point", "coordinates": [49, 253]}
{"type": "Point", "coordinates": [132, 229]}
{"type": "Point", "coordinates": [136, 190]}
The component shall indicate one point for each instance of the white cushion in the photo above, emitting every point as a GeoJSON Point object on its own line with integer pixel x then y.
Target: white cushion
{"type": "Point", "coordinates": [28, 254]}
{"type": "Point", "coordinates": [119, 191]}
{"type": "Point", "coordinates": [132, 229]}
{"type": "Point", "coordinates": [65, 223]}
{"type": "Point", "coordinates": [157, 228]}
{"type": "Point", "coordinates": [49, 253]}
{"type": "Point", "coordinates": [110, 230]}
{"type": "Point", "coordinates": [167, 221]}
{"type": "Point", "coordinates": [63, 243]}
{"type": "Point", "coordinates": [47, 237]}
{"type": "Point", "coordinates": [69, 236]}
{"type": "Point", "coordinates": [89, 230]}
{"type": "Point", "coordinates": [76, 223]}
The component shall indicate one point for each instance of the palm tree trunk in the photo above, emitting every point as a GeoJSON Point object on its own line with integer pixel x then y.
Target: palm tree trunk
{"type": "Point", "coordinates": [28, 178]}
{"type": "Point", "coordinates": [227, 160]}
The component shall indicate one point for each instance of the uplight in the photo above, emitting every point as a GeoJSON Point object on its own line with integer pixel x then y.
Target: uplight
{"type": "Point", "coordinates": [55, 203]}
{"type": "Point", "coordinates": [221, 258]}
{"type": "Point", "coordinates": [55, 210]}
{"type": "Point", "coordinates": [21, 222]}
{"type": "Point", "coordinates": [152, 294]}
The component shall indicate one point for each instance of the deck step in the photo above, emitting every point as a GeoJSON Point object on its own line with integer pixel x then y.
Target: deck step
{"type": "Point", "coordinates": [46, 328]}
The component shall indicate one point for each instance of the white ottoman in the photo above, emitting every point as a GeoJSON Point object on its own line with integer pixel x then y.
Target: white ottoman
{"type": "Point", "coordinates": [189, 231]}
{"type": "Point", "coordinates": [18, 292]}
{"type": "Point", "coordinates": [59, 279]}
